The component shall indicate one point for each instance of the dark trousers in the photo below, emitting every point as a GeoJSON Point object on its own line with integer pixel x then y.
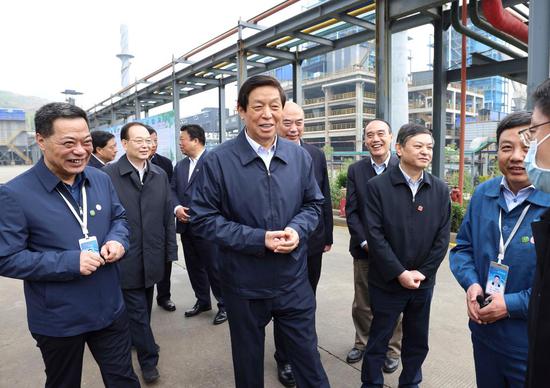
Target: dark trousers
{"type": "Point", "coordinates": [294, 312]}
{"type": "Point", "coordinates": [163, 287]}
{"type": "Point", "coordinates": [109, 346]}
{"type": "Point", "coordinates": [386, 308]}
{"type": "Point", "coordinates": [314, 269]}
{"type": "Point", "coordinates": [139, 303]}
{"type": "Point", "coordinates": [201, 261]}
{"type": "Point", "coordinates": [497, 370]}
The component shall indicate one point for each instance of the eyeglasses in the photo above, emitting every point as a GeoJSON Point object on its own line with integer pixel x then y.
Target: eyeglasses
{"type": "Point", "coordinates": [139, 141]}
{"type": "Point", "coordinates": [528, 134]}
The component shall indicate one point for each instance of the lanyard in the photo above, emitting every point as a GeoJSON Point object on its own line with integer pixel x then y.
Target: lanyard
{"type": "Point", "coordinates": [84, 210]}
{"type": "Point", "coordinates": [502, 246]}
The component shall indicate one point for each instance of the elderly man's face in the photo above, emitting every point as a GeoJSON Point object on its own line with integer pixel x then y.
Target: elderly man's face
{"type": "Point", "coordinates": [511, 153]}
{"type": "Point", "coordinates": [292, 126]}
{"type": "Point", "coordinates": [378, 139]}
{"type": "Point", "coordinates": [417, 152]}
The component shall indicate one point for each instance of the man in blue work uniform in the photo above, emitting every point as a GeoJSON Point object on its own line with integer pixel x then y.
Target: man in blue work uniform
{"type": "Point", "coordinates": [62, 229]}
{"type": "Point", "coordinates": [499, 330]}
{"type": "Point", "coordinates": [408, 228]}
{"type": "Point", "coordinates": [258, 200]}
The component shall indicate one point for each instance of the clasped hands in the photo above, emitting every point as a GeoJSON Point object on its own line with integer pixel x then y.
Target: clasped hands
{"type": "Point", "coordinates": [111, 251]}
{"type": "Point", "coordinates": [282, 241]}
{"type": "Point", "coordinates": [493, 312]}
{"type": "Point", "coordinates": [411, 279]}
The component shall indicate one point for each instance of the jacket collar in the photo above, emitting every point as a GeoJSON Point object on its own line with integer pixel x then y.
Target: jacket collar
{"type": "Point", "coordinates": [48, 179]}
{"type": "Point", "coordinates": [536, 197]}
{"type": "Point", "coordinates": [246, 154]}
{"type": "Point", "coordinates": [125, 167]}
{"type": "Point", "coordinates": [397, 177]}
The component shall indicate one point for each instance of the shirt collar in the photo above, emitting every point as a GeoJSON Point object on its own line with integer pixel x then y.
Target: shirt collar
{"type": "Point", "coordinates": [99, 160]}
{"type": "Point", "coordinates": [384, 164]}
{"type": "Point", "coordinates": [409, 179]}
{"type": "Point", "coordinates": [195, 159]}
{"type": "Point", "coordinates": [259, 148]}
{"type": "Point", "coordinates": [504, 186]}
{"type": "Point", "coordinates": [50, 180]}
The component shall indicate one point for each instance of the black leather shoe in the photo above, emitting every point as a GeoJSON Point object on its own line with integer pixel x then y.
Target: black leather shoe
{"type": "Point", "coordinates": [167, 304]}
{"type": "Point", "coordinates": [390, 365]}
{"type": "Point", "coordinates": [285, 375]}
{"type": "Point", "coordinates": [354, 355]}
{"type": "Point", "coordinates": [220, 317]}
{"type": "Point", "coordinates": [196, 310]}
{"type": "Point", "coordinates": [150, 375]}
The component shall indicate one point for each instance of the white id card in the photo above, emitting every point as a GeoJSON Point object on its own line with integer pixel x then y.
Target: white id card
{"type": "Point", "coordinates": [89, 244]}
{"type": "Point", "coordinates": [496, 278]}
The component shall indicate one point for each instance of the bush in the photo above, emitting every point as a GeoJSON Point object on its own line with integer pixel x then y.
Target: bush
{"type": "Point", "coordinates": [457, 215]}
{"type": "Point", "coordinates": [336, 195]}
{"type": "Point", "coordinates": [341, 179]}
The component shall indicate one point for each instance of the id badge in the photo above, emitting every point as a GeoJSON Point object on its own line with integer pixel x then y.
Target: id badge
{"type": "Point", "coordinates": [89, 244]}
{"type": "Point", "coordinates": [496, 278]}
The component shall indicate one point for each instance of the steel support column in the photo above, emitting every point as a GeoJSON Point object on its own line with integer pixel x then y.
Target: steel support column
{"type": "Point", "coordinates": [297, 90]}
{"type": "Point", "coordinates": [137, 106]}
{"type": "Point", "coordinates": [176, 109]}
{"type": "Point", "coordinates": [242, 70]}
{"type": "Point", "coordinates": [539, 45]}
{"type": "Point", "coordinates": [383, 60]}
{"type": "Point", "coordinates": [439, 100]}
{"type": "Point", "coordinates": [358, 117]}
{"type": "Point", "coordinates": [221, 112]}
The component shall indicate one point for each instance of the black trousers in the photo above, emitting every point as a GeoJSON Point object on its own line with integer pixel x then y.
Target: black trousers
{"type": "Point", "coordinates": [386, 307]}
{"type": "Point", "coordinates": [314, 269]}
{"type": "Point", "coordinates": [109, 346]}
{"type": "Point", "coordinates": [294, 312]}
{"type": "Point", "coordinates": [163, 287]}
{"type": "Point", "coordinates": [139, 303]}
{"type": "Point", "coordinates": [201, 261]}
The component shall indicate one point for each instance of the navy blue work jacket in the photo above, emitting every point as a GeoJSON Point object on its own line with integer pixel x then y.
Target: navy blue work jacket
{"type": "Point", "coordinates": [406, 232]}
{"type": "Point", "coordinates": [237, 200]}
{"type": "Point", "coordinates": [39, 244]}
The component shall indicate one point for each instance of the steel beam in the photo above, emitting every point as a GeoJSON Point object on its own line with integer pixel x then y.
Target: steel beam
{"type": "Point", "coordinates": [271, 52]}
{"type": "Point", "coordinates": [313, 38]}
{"type": "Point", "coordinates": [357, 21]}
{"type": "Point", "coordinates": [439, 99]}
{"type": "Point", "coordinates": [503, 68]}
{"type": "Point", "coordinates": [176, 109]}
{"type": "Point", "coordinates": [383, 60]}
{"type": "Point", "coordinates": [221, 112]}
{"type": "Point", "coordinates": [539, 45]}
{"type": "Point", "coordinates": [297, 90]}
{"type": "Point", "coordinates": [402, 8]}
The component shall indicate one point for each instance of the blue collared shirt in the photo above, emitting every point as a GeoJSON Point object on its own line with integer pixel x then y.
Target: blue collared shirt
{"type": "Point", "coordinates": [414, 185]}
{"type": "Point", "coordinates": [380, 168]}
{"type": "Point", "coordinates": [265, 153]}
{"type": "Point", "coordinates": [514, 200]}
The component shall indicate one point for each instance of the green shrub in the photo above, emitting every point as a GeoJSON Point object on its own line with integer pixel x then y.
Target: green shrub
{"type": "Point", "coordinates": [457, 215]}
{"type": "Point", "coordinates": [341, 178]}
{"type": "Point", "coordinates": [336, 195]}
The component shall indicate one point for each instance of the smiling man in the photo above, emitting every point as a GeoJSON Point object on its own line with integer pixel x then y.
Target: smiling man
{"type": "Point", "coordinates": [62, 228]}
{"type": "Point", "coordinates": [257, 198]}
{"type": "Point", "coordinates": [502, 275]}
{"type": "Point", "coordinates": [408, 219]}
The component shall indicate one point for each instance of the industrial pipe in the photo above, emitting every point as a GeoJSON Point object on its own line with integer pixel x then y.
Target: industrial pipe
{"type": "Point", "coordinates": [503, 20]}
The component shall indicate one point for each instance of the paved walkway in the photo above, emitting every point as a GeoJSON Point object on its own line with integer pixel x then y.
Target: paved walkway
{"type": "Point", "coordinates": [194, 353]}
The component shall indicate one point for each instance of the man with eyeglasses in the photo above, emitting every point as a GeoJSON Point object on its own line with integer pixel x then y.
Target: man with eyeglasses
{"type": "Point", "coordinates": [144, 191]}
{"type": "Point", "coordinates": [537, 164]}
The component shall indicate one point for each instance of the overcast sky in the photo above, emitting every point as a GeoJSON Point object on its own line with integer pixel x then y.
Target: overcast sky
{"type": "Point", "coordinates": [50, 46]}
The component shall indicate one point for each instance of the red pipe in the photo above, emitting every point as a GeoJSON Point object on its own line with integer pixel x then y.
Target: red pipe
{"type": "Point", "coordinates": [505, 21]}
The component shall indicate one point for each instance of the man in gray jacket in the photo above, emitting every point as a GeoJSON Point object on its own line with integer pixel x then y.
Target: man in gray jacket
{"type": "Point", "coordinates": [144, 191]}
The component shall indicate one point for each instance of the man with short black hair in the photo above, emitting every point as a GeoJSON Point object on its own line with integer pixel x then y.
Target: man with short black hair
{"type": "Point", "coordinates": [500, 274]}
{"type": "Point", "coordinates": [258, 200]}
{"type": "Point", "coordinates": [537, 164]}
{"type": "Point", "coordinates": [62, 230]}
{"type": "Point", "coordinates": [408, 229]}
{"type": "Point", "coordinates": [201, 256]}
{"type": "Point", "coordinates": [145, 193]}
{"type": "Point", "coordinates": [104, 149]}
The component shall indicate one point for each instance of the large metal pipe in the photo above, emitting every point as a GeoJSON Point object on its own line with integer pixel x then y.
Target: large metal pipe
{"type": "Point", "coordinates": [503, 20]}
{"type": "Point", "coordinates": [462, 106]}
{"type": "Point", "coordinates": [482, 24]}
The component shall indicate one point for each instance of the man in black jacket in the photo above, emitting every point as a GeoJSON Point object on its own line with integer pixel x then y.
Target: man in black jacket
{"type": "Point", "coordinates": [408, 228]}
{"type": "Point", "coordinates": [163, 287]}
{"type": "Point", "coordinates": [320, 241]}
{"type": "Point", "coordinates": [144, 191]}
{"type": "Point", "coordinates": [378, 138]}
{"type": "Point", "coordinates": [105, 149]}
{"type": "Point", "coordinates": [537, 164]}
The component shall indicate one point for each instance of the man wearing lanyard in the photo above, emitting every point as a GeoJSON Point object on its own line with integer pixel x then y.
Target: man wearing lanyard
{"type": "Point", "coordinates": [62, 228]}
{"type": "Point", "coordinates": [494, 261]}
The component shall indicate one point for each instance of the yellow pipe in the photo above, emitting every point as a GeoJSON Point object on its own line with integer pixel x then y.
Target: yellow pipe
{"type": "Point", "coordinates": [324, 24]}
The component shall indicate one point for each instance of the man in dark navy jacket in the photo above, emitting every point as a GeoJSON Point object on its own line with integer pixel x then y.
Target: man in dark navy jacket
{"type": "Point", "coordinates": [258, 200]}
{"type": "Point", "coordinates": [320, 241]}
{"type": "Point", "coordinates": [72, 291]}
{"type": "Point", "coordinates": [408, 229]}
{"type": "Point", "coordinates": [378, 138]}
{"type": "Point", "coordinates": [201, 256]}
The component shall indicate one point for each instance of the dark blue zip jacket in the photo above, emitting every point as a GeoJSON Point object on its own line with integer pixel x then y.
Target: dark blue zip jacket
{"type": "Point", "coordinates": [236, 200]}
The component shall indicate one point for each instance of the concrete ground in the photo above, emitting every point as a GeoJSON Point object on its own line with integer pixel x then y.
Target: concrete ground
{"type": "Point", "coordinates": [194, 353]}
